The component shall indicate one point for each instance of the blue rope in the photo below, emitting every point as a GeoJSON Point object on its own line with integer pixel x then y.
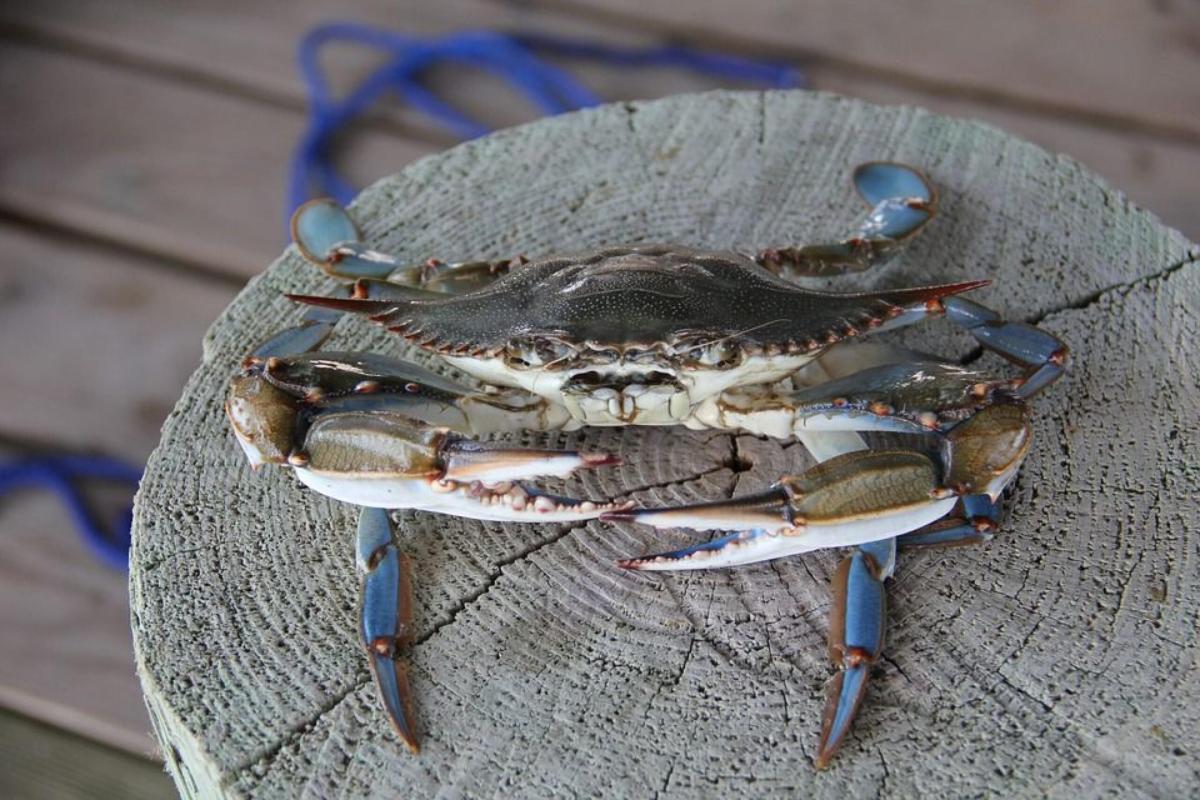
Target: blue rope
{"type": "Point", "coordinates": [110, 543]}
{"type": "Point", "coordinates": [514, 58]}
{"type": "Point", "coordinates": [511, 57]}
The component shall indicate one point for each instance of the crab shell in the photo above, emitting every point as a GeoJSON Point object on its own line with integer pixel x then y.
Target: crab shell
{"type": "Point", "coordinates": [634, 335]}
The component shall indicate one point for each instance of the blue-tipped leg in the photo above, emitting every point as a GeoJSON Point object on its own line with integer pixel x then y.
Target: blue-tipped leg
{"type": "Point", "coordinates": [328, 237]}
{"type": "Point", "coordinates": [856, 625]}
{"type": "Point", "coordinates": [902, 202]}
{"type": "Point", "coordinates": [1042, 354]}
{"type": "Point", "coordinates": [320, 226]}
{"type": "Point", "coordinates": [306, 336]}
{"type": "Point", "coordinates": [316, 324]}
{"type": "Point", "coordinates": [880, 181]}
{"type": "Point", "coordinates": [977, 523]}
{"type": "Point", "coordinates": [856, 628]}
{"type": "Point", "coordinates": [386, 607]}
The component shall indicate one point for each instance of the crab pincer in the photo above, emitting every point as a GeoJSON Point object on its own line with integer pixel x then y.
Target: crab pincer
{"type": "Point", "coordinates": [850, 499]}
{"type": "Point", "coordinates": [387, 460]}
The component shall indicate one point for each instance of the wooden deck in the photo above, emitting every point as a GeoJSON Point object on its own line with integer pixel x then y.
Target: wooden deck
{"type": "Point", "coordinates": [142, 165]}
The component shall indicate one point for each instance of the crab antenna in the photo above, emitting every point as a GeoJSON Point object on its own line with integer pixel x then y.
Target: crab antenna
{"type": "Point", "coordinates": [727, 337]}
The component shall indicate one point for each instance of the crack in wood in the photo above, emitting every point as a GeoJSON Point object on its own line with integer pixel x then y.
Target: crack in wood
{"type": "Point", "coordinates": [497, 572]}
{"type": "Point", "coordinates": [1087, 300]}
{"type": "Point", "coordinates": [268, 753]}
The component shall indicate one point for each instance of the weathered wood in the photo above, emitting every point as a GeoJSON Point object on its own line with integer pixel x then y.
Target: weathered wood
{"type": "Point", "coordinates": [186, 173]}
{"type": "Point", "coordinates": [1088, 58]}
{"type": "Point", "coordinates": [192, 42]}
{"type": "Point", "coordinates": [65, 649]}
{"type": "Point", "coordinates": [1058, 659]}
{"type": "Point", "coordinates": [37, 760]}
{"type": "Point", "coordinates": [96, 343]}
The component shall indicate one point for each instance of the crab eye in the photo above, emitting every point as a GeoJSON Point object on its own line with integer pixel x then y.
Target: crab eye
{"type": "Point", "coordinates": [718, 355]}
{"type": "Point", "coordinates": [549, 350]}
{"type": "Point", "coordinates": [523, 355]}
{"type": "Point", "coordinates": [604, 355]}
{"type": "Point", "coordinates": [639, 356]}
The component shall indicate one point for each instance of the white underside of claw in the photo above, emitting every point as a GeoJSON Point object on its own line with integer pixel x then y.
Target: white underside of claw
{"type": "Point", "coordinates": [500, 502]}
{"type": "Point", "coordinates": [751, 547]}
{"type": "Point", "coordinates": [497, 469]}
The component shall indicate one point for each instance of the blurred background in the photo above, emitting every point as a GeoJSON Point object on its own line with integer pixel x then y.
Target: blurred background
{"type": "Point", "coordinates": [144, 157]}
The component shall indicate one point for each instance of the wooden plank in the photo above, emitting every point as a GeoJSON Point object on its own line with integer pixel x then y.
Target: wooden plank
{"type": "Point", "coordinates": [1156, 173]}
{"type": "Point", "coordinates": [96, 344]}
{"type": "Point", "coordinates": [1112, 61]}
{"type": "Point", "coordinates": [65, 650]}
{"type": "Point", "coordinates": [183, 172]}
{"type": "Point", "coordinates": [37, 760]}
{"type": "Point", "coordinates": [248, 49]}
{"type": "Point", "coordinates": [602, 683]}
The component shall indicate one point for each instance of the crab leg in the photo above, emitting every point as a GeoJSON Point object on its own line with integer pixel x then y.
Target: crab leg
{"type": "Point", "coordinates": [856, 628]}
{"type": "Point", "coordinates": [386, 616]}
{"type": "Point", "coordinates": [1042, 354]}
{"type": "Point", "coordinates": [327, 236]}
{"type": "Point", "coordinates": [902, 202]}
{"type": "Point", "coordinates": [975, 524]}
{"type": "Point", "coordinates": [911, 397]}
{"type": "Point", "coordinates": [858, 613]}
{"type": "Point", "coordinates": [336, 381]}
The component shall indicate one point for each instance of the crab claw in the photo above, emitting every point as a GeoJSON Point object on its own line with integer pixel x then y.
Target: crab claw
{"type": "Point", "coordinates": [767, 512]}
{"type": "Point", "coordinates": [850, 499]}
{"type": "Point", "coordinates": [382, 459]}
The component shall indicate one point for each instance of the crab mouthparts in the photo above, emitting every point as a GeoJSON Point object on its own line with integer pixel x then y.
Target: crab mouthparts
{"type": "Point", "coordinates": [606, 399]}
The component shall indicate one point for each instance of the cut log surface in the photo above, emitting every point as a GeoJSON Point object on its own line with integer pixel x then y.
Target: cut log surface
{"type": "Point", "coordinates": [1058, 659]}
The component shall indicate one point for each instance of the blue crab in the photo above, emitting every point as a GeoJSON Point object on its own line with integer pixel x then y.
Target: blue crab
{"type": "Point", "coordinates": [651, 335]}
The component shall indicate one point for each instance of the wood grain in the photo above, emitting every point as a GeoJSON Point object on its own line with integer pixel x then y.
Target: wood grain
{"type": "Point", "coordinates": [64, 625]}
{"type": "Point", "coordinates": [247, 50]}
{"type": "Point", "coordinates": [1126, 64]}
{"type": "Point", "coordinates": [183, 173]}
{"type": "Point", "coordinates": [37, 760]}
{"type": "Point", "coordinates": [1057, 660]}
{"type": "Point", "coordinates": [97, 343]}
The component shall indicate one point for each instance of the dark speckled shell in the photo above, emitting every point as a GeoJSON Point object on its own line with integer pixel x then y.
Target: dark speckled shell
{"type": "Point", "coordinates": [641, 295]}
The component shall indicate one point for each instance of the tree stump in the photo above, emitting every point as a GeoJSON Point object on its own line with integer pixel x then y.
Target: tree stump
{"type": "Point", "coordinates": [1060, 658]}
